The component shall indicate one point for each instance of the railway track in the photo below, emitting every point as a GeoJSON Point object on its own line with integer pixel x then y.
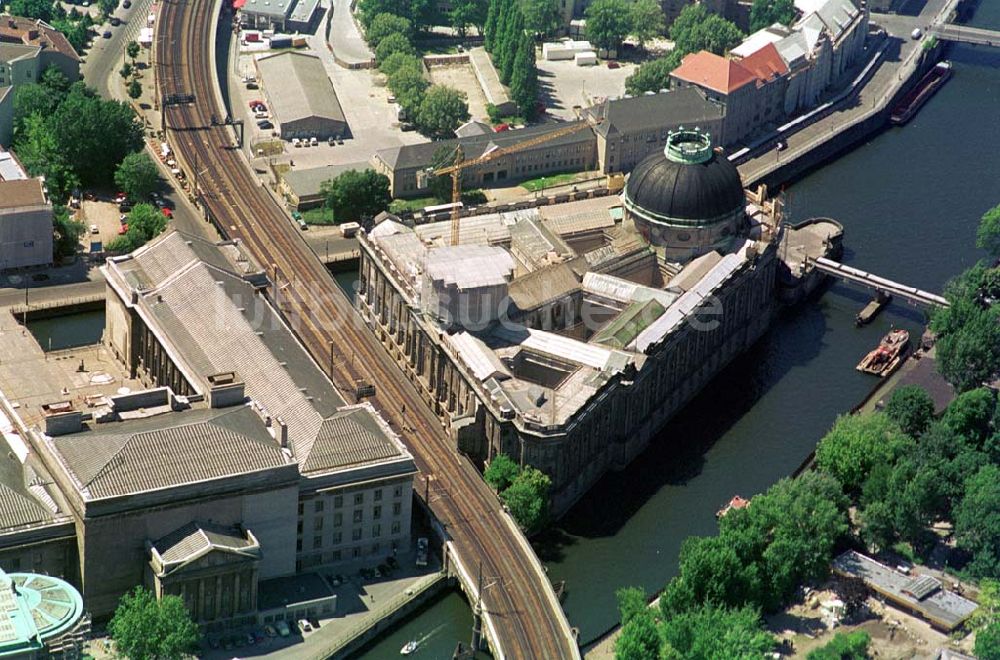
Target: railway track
{"type": "Point", "coordinates": [526, 618]}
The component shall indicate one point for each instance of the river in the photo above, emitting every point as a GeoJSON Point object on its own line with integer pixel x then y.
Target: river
{"type": "Point", "coordinates": [909, 200]}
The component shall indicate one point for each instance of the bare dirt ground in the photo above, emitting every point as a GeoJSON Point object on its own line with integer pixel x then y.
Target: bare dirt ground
{"type": "Point", "coordinates": [103, 214]}
{"type": "Point", "coordinates": [461, 77]}
{"type": "Point", "coordinates": [895, 635]}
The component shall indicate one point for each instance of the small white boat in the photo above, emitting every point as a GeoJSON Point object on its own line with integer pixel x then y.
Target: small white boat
{"type": "Point", "coordinates": [409, 647]}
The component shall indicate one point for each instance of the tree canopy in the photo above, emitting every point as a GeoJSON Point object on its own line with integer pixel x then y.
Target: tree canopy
{"type": "Point", "coordinates": [709, 632]}
{"type": "Point", "coordinates": [988, 234]}
{"type": "Point", "coordinates": [542, 17]}
{"type": "Point", "coordinates": [393, 43]}
{"type": "Point", "coordinates": [646, 17]}
{"type": "Point", "coordinates": [383, 25]}
{"type": "Point", "coordinates": [768, 12]}
{"type": "Point", "coordinates": [843, 646]}
{"type": "Point", "coordinates": [911, 408]}
{"type": "Point", "coordinates": [441, 111]}
{"type": "Point", "coordinates": [608, 22]}
{"type": "Point", "coordinates": [639, 638]}
{"type": "Point", "coordinates": [977, 522]}
{"type": "Point", "coordinates": [856, 444]}
{"type": "Point", "coordinates": [524, 78]}
{"type": "Point", "coordinates": [528, 498]}
{"type": "Point", "coordinates": [42, 9]}
{"type": "Point", "coordinates": [501, 472]}
{"type": "Point", "coordinates": [146, 629]}
{"type": "Point", "coordinates": [651, 76]}
{"type": "Point", "coordinates": [988, 642]}
{"type": "Point", "coordinates": [145, 222]}
{"type": "Point", "coordinates": [353, 195]}
{"type": "Point", "coordinates": [698, 29]}
{"type": "Point", "coordinates": [137, 176]}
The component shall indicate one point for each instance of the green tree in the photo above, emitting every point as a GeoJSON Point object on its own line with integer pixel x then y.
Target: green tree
{"type": "Point", "coordinates": [31, 100]}
{"type": "Point", "coordinates": [843, 646]}
{"type": "Point", "coordinates": [651, 76]}
{"type": "Point", "coordinates": [107, 7]}
{"type": "Point", "coordinates": [398, 62]}
{"type": "Point", "coordinates": [54, 81]}
{"type": "Point", "coordinates": [768, 12]}
{"type": "Point", "coordinates": [137, 176]}
{"type": "Point", "coordinates": [709, 632]}
{"type": "Point", "coordinates": [527, 499]}
{"type": "Point", "coordinates": [382, 25]}
{"type": "Point", "coordinates": [711, 572]}
{"type": "Point", "coordinates": [134, 89]}
{"type": "Point", "coordinates": [988, 234]}
{"type": "Point", "coordinates": [490, 27]}
{"type": "Point", "coordinates": [541, 17]}
{"type": "Point", "coordinates": [789, 533]}
{"type": "Point", "coordinates": [988, 642]}
{"type": "Point", "coordinates": [857, 443]}
{"type": "Point", "coordinates": [697, 29]}
{"type": "Point", "coordinates": [608, 22]}
{"type": "Point", "coordinates": [970, 415]}
{"type": "Point", "coordinates": [468, 12]}
{"type": "Point", "coordinates": [646, 18]}
{"type": "Point", "coordinates": [441, 111]}
{"type": "Point", "coordinates": [67, 233]}
{"type": "Point", "coordinates": [513, 37]}
{"type": "Point", "coordinates": [639, 638]}
{"type": "Point", "coordinates": [126, 71]}
{"type": "Point", "coordinates": [146, 629]}
{"type": "Point", "coordinates": [353, 195]}
{"type": "Point", "coordinates": [369, 9]}
{"type": "Point", "coordinates": [31, 9]}
{"type": "Point", "coordinates": [977, 522]}
{"type": "Point", "coordinates": [94, 135]}
{"type": "Point", "coordinates": [631, 602]}
{"type": "Point", "coordinates": [501, 473]}
{"type": "Point", "coordinates": [394, 43]}
{"type": "Point", "coordinates": [145, 222]}
{"type": "Point", "coordinates": [132, 49]}
{"type": "Point", "coordinates": [39, 151]}
{"type": "Point", "coordinates": [524, 78]}
{"type": "Point", "coordinates": [989, 604]}
{"type": "Point", "coordinates": [408, 85]}
{"type": "Point", "coordinates": [968, 347]}
{"type": "Point", "coordinates": [912, 408]}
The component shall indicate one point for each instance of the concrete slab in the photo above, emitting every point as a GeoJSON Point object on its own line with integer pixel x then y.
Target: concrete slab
{"type": "Point", "coordinates": [462, 78]}
{"type": "Point", "coordinates": [563, 84]}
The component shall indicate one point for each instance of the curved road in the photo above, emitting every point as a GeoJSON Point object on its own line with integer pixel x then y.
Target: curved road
{"type": "Point", "coordinates": [521, 605]}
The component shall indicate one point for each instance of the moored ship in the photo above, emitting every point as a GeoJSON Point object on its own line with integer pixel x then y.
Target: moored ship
{"type": "Point", "coordinates": [916, 97]}
{"type": "Point", "coordinates": [887, 356]}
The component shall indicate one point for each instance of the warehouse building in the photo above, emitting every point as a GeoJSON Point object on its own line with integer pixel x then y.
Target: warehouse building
{"type": "Point", "coordinates": [302, 98]}
{"type": "Point", "coordinates": [279, 15]}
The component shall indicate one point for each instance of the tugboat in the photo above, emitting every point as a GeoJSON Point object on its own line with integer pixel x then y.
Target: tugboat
{"type": "Point", "coordinates": [916, 97]}
{"type": "Point", "coordinates": [887, 357]}
{"type": "Point", "coordinates": [409, 647]}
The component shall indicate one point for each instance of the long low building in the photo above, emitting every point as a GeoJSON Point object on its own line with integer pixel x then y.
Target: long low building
{"type": "Point", "coordinates": [302, 98]}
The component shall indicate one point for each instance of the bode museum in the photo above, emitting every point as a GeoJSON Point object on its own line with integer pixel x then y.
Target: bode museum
{"type": "Point", "coordinates": [566, 335]}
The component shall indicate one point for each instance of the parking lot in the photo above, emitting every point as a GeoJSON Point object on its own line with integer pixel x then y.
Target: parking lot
{"type": "Point", "coordinates": [563, 84]}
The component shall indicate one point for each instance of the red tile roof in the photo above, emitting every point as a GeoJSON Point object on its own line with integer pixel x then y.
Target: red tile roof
{"type": "Point", "coordinates": [765, 63]}
{"type": "Point", "coordinates": [32, 32]}
{"type": "Point", "coordinates": [714, 72]}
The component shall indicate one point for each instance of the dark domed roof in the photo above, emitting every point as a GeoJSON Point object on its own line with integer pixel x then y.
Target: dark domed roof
{"type": "Point", "coordinates": [686, 181]}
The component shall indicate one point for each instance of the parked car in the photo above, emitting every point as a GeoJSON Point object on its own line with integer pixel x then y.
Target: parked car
{"type": "Point", "coordinates": [227, 643]}
{"type": "Point", "coordinates": [214, 642]}
{"type": "Point", "coordinates": [613, 64]}
{"type": "Point", "coordinates": [283, 629]}
{"type": "Point", "coordinates": [265, 124]}
{"type": "Point", "coordinates": [107, 34]}
{"type": "Point", "coordinates": [251, 640]}
{"type": "Point", "coordinates": [270, 631]}
{"type": "Point", "coordinates": [252, 85]}
{"type": "Point", "coordinates": [124, 207]}
{"type": "Point", "coordinates": [167, 212]}
{"type": "Point", "coordinates": [115, 21]}
{"type": "Point", "coordinates": [314, 622]}
{"type": "Point", "coordinates": [253, 104]}
{"type": "Point", "coordinates": [120, 197]}
{"type": "Point", "coordinates": [313, 142]}
{"type": "Point", "coordinates": [127, 4]}
{"type": "Point", "coordinates": [94, 229]}
{"type": "Point", "coordinates": [304, 626]}
{"type": "Point", "coordinates": [422, 545]}
{"type": "Point", "coordinates": [123, 229]}
{"type": "Point", "coordinates": [296, 142]}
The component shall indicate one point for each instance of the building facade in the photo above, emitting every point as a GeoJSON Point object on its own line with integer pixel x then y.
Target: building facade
{"type": "Point", "coordinates": [25, 224]}
{"type": "Point", "coordinates": [579, 366]}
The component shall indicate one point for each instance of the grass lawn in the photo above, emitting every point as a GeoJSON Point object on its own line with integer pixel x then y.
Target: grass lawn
{"type": "Point", "coordinates": [318, 216]}
{"type": "Point", "coordinates": [270, 147]}
{"type": "Point", "coordinates": [533, 185]}
{"type": "Point", "coordinates": [402, 205]}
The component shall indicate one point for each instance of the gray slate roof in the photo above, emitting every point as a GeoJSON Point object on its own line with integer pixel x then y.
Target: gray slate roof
{"type": "Point", "coordinates": [196, 538]}
{"type": "Point", "coordinates": [421, 155]}
{"type": "Point", "coordinates": [18, 507]}
{"type": "Point", "coordinates": [298, 87]}
{"type": "Point", "coordinates": [687, 106]}
{"type": "Point", "coordinates": [353, 438]}
{"type": "Point", "coordinates": [167, 450]}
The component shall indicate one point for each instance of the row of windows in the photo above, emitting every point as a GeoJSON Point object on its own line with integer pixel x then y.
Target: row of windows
{"type": "Point", "coordinates": [357, 516]}
{"type": "Point", "coordinates": [359, 499]}
{"type": "Point", "coordinates": [337, 555]}
{"type": "Point", "coordinates": [356, 535]}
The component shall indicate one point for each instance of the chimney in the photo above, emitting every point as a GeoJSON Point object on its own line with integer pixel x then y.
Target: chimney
{"type": "Point", "coordinates": [62, 418]}
{"type": "Point", "coordinates": [282, 433]}
{"type": "Point", "coordinates": [32, 34]}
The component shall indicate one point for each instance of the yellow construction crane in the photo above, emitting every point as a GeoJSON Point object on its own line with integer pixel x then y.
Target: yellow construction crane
{"type": "Point", "coordinates": [456, 169]}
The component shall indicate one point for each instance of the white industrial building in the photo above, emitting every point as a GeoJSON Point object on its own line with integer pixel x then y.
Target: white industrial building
{"type": "Point", "coordinates": [302, 98]}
